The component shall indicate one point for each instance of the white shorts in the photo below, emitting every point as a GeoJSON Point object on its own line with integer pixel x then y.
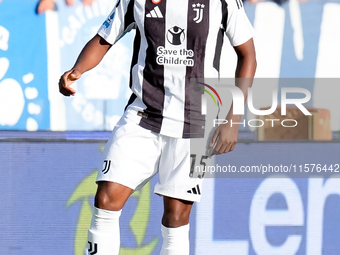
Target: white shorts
{"type": "Point", "coordinates": [133, 155]}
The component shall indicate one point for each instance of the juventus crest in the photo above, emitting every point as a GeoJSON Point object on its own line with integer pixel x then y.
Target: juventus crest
{"type": "Point", "coordinates": [198, 8]}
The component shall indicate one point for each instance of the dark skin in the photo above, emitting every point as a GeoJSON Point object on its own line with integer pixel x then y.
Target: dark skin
{"type": "Point", "coordinates": [112, 196]}
{"type": "Point", "coordinates": [225, 135]}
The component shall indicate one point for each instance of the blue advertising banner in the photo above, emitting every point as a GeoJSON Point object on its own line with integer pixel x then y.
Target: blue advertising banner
{"type": "Point", "coordinates": [24, 103]}
{"type": "Point", "coordinates": [47, 190]}
{"type": "Point", "coordinates": [275, 215]}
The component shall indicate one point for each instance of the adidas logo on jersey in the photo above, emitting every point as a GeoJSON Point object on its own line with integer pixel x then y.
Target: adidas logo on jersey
{"type": "Point", "coordinates": [155, 13]}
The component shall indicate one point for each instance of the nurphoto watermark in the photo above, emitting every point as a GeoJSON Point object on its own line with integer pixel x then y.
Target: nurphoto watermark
{"type": "Point", "coordinates": [273, 109]}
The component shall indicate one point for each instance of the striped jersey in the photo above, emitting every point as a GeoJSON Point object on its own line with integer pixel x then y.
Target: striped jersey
{"type": "Point", "coordinates": [176, 40]}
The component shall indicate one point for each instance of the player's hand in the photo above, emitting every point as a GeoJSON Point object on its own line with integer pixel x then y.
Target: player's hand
{"type": "Point", "coordinates": [66, 80]}
{"type": "Point", "coordinates": [225, 139]}
{"type": "Point", "coordinates": [87, 2]}
{"type": "Point", "coordinates": [69, 2]}
{"type": "Point", "coordinates": [45, 5]}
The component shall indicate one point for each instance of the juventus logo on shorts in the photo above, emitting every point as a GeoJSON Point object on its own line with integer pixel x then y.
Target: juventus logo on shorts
{"type": "Point", "coordinates": [106, 166]}
{"type": "Point", "coordinates": [92, 250]}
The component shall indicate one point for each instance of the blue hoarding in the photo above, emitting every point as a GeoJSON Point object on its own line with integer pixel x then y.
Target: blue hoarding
{"type": "Point", "coordinates": [24, 103]}
{"type": "Point", "coordinates": [47, 189]}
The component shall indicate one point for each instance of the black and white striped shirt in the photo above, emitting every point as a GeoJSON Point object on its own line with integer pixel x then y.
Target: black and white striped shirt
{"type": "Point", "coordinates": [176, 40]}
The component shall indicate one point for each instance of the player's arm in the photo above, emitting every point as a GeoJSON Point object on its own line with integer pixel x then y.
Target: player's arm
{"type": "Point", "coordinates": [90, 56]}
{"type": "Point", "coordinates": [226, 135]}
{"type": "Point", "coordinates": [246, 63]}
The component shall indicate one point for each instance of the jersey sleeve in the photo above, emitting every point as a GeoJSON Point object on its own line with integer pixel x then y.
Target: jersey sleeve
{"type": "Point", "coordinates": [119, 22]}
{"type": "Point", "coordinates": [239, 29]}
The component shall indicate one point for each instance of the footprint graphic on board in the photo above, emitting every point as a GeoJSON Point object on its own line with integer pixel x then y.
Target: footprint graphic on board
{"type": "Point", "coordinates": [13, 99]}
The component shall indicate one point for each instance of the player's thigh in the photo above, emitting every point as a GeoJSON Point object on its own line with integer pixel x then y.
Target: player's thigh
{"type": "Point", "coordinates": [130, 158]}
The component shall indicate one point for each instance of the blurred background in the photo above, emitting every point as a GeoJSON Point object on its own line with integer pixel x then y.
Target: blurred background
{"type": "Point", "coordinates": [50, 145]}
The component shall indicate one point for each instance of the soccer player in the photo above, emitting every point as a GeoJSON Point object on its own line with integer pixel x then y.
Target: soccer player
{"type": "Point", "coordinates": [175, 41]}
